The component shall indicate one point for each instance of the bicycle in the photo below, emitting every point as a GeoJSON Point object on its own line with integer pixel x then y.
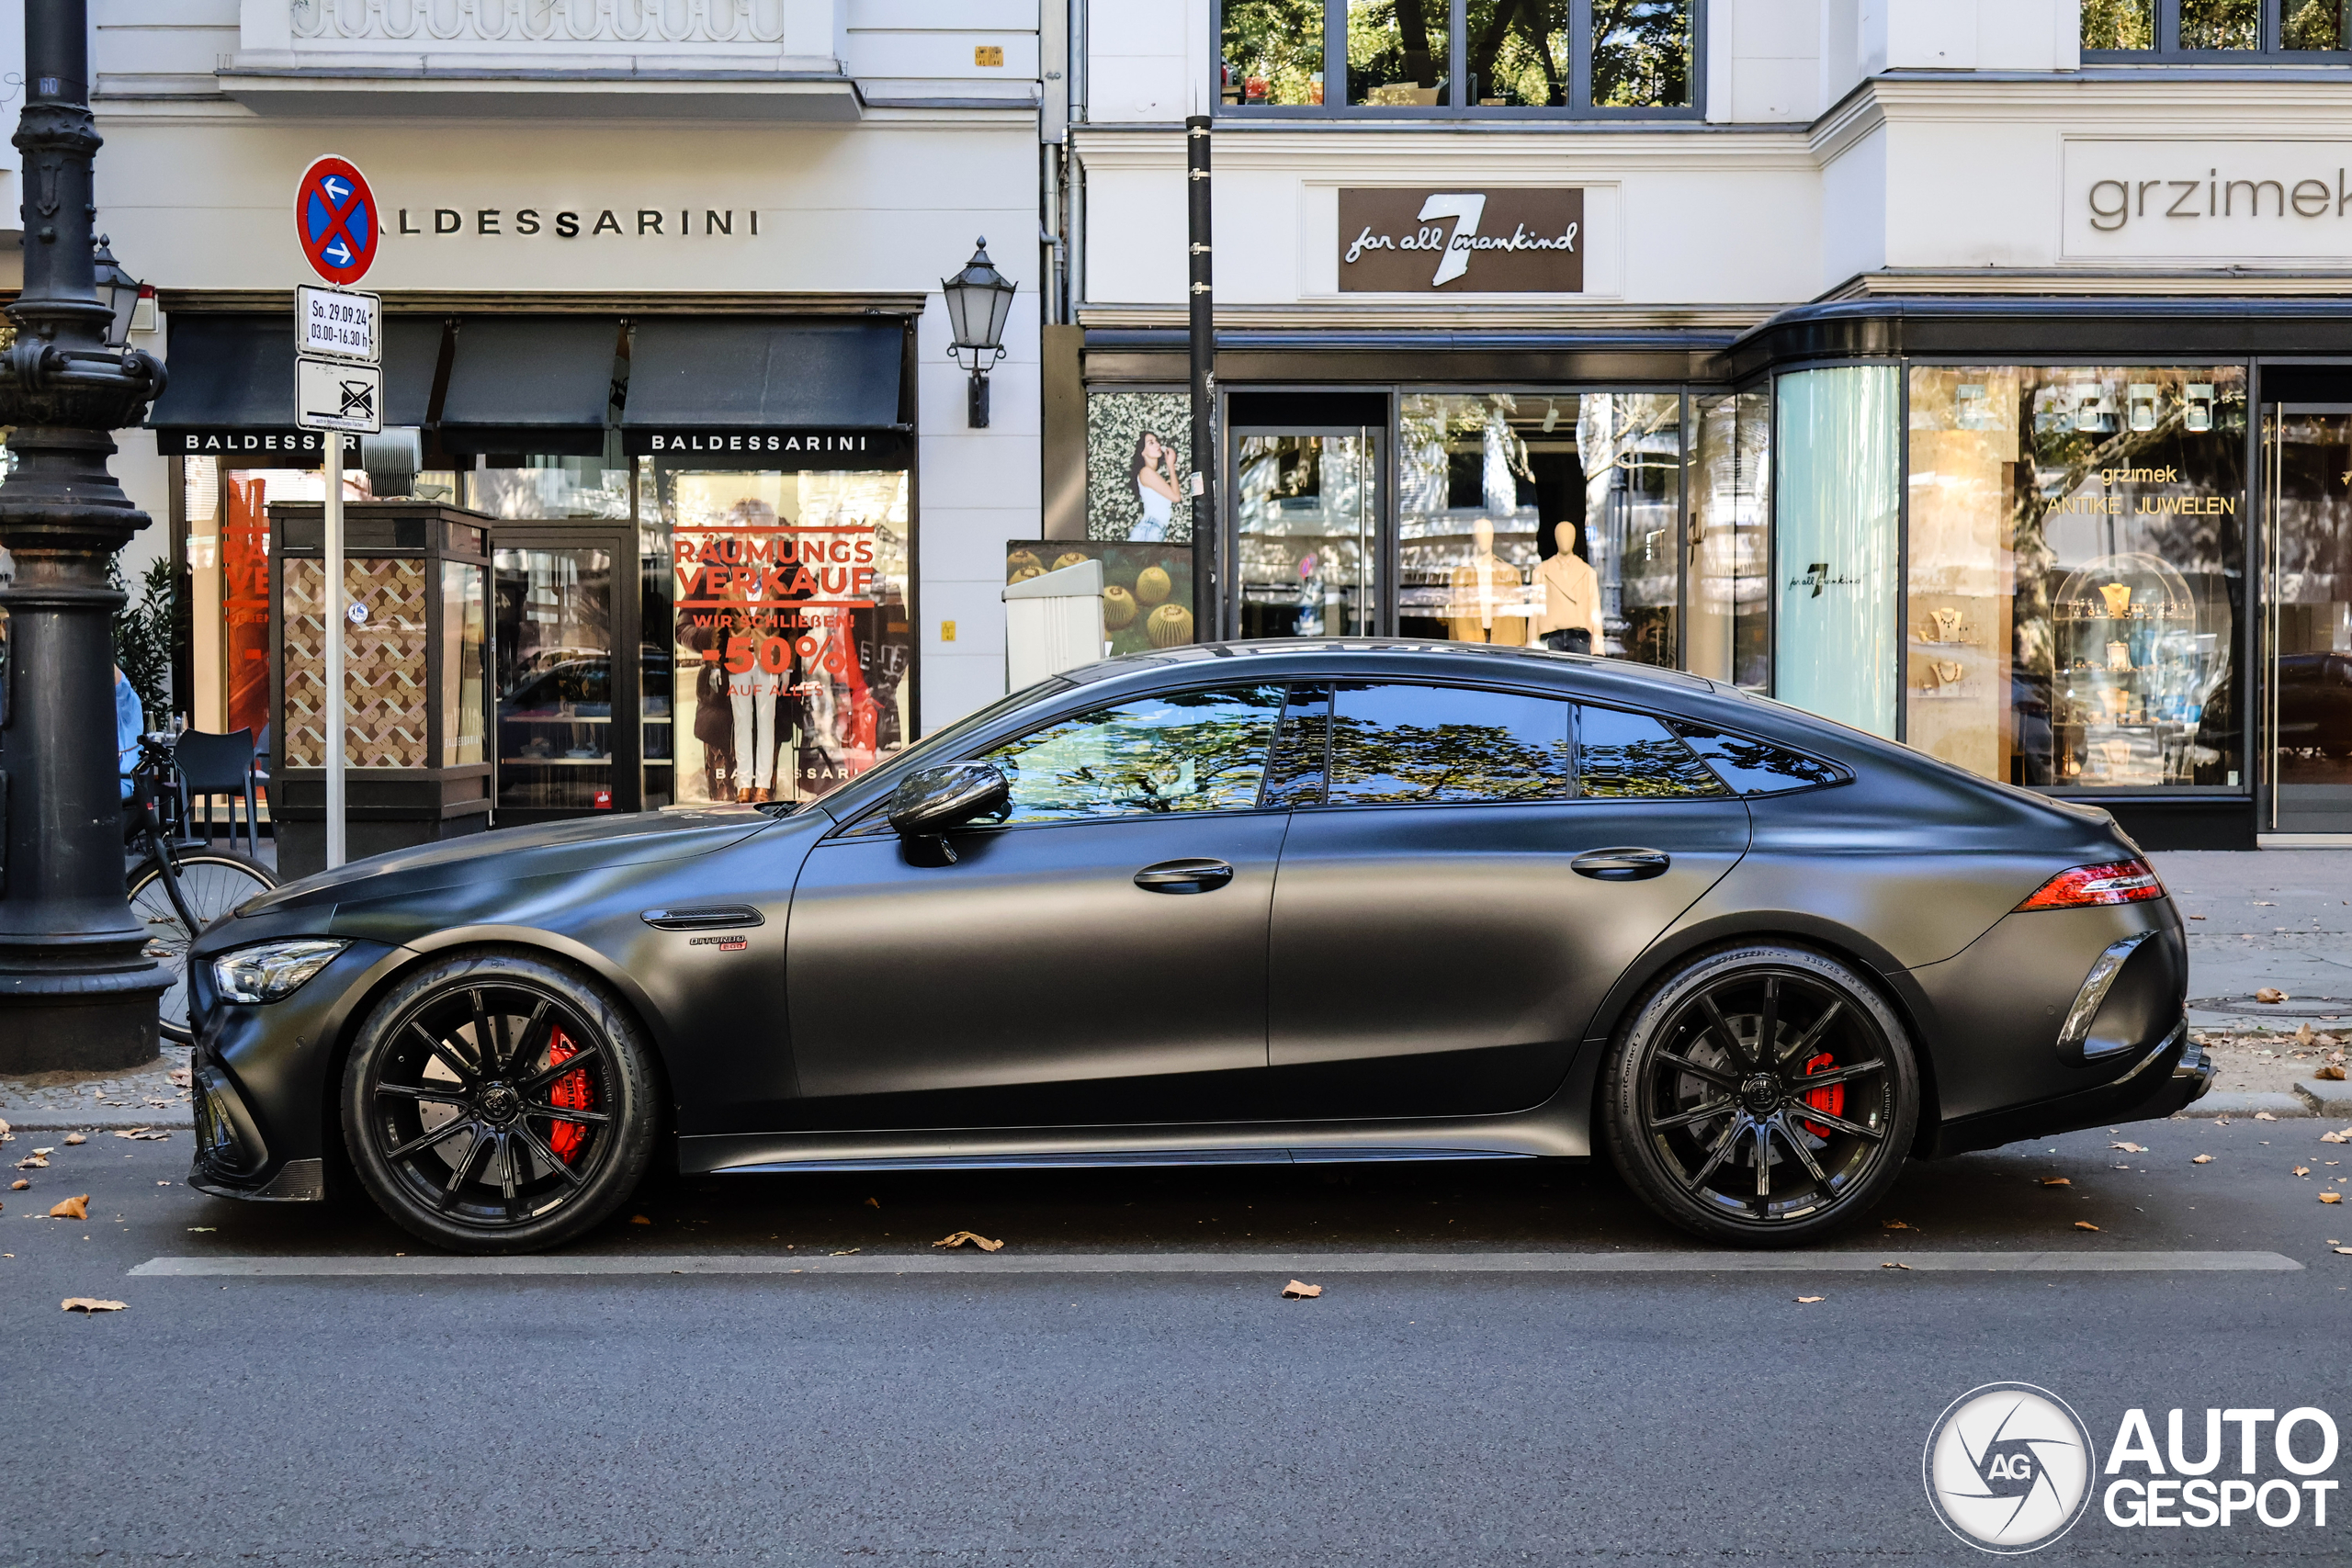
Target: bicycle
{"type": "Point", "coordinates": [175, 892]}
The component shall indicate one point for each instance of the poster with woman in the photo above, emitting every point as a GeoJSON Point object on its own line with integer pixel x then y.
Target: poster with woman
{"type": "Point", "coordinates": [1137, 457]}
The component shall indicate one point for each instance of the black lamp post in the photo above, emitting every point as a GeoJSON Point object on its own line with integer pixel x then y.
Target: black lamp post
{"type": "Point", "coordinates": [980, 297]}
{"type": "Point", "coordinates": [77, 989]}
{"type": "Point", "coordinates": [118, 290]}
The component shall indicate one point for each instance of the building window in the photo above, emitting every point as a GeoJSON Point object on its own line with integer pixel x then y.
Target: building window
{"type": "Point", "coordinates": [2135, 31]}
{"type": "Point", "coordinates": [2075, 573]}
{"type": "Point", "coordinates": [1500, 57]}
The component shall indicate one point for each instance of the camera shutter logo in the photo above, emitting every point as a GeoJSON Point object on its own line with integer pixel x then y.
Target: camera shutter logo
{"type": "Point", "coordinates": [2008, 1468]}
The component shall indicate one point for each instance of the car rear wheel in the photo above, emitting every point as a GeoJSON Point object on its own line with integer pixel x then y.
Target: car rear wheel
{"type": "Point", "coordinates": [496, 1102]}
{"type": "Point", "coordinates": [1761, 1096]}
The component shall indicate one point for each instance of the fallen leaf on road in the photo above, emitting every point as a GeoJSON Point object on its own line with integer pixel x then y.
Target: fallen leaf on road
{"type": "Point", "coordinates": [2266, 903]}
{"type": "Point", "coordinates": [19, 1185]}
{"type": "Point", "coordinates": [1893, 1226]}
{"type": "Point", "coordinates": [2203, 1159]}
{"type": "Point", "coordinates": [975, 1238]}
{"type": "Point", "coordinates": [1803, 1298]}
{"type": "Point", "coordinates": [159, 1104]}
{"type": "Point", "coordinates": [194, 1229]}
{"type": "Point", "coordinates": [2085, 1225]}
{"type": "Point", "coordinates": [43, 1153]}
{"type": "Point", "coordinates": [72, 1209]}
{"type": "Point", "coordinates": [1902, 1266]}
{"type": "Point", "coordinates": [639, 1220]}
{"type": "Point", "coordinates": [2332, 1074]}
{"type": "Point", "coordinates": [849, 1252]}
{"type": "Point", "coordinates": [2056, 1181]}
{"type": "Point", "coordinates": [2323, 1137]}
{"type": "Point", "coordinates": [92, 1304]}
{"type": "Point", "coordinates": [873, 1203]}
{"type": "Point", "coordinates": [2303, 1035]}
{"type": "Point", "coordinates": [1298, 1290]}
{"type": "Point", "coordinates": [76, 1138]}
{"type": "Point", "coordinates": [2131, 1148]}
{"type": "Point", "coordinates": [2271, 994]}
{"type": "Point", "coordinates": [142, 1135]}
{"type": "Point", "coordinates": [2196, 917]}
{"type": "Point", "coordinates": [2331, 1197]}
{"type": "Point", "coordinates": [2302, 1171]}
{"type": "Point", "coordinates": [2345, 1250]}
{"type": "Point", "coordinates": [179, 1076]}
{"type": "Point", "coordinates": [2264, 1116]}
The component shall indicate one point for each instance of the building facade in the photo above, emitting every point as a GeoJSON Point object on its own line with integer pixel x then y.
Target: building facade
{"type": "Point", "coordinates": [661, 282]}
{"type": "Point", "coordinates": [1976, 372]}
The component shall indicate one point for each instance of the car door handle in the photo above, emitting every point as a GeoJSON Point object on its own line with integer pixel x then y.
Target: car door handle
{"type": "Point", "coordinates": [1621, 866]}
{"type": "Point", "coordinates": [1184, 876]}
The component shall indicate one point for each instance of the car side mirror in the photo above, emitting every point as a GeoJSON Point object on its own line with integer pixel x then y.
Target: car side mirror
{"type": "Point", "coordinates": [927, 803]}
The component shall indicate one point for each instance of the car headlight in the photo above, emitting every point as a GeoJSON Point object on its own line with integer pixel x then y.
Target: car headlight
{"type": "Point", "coordinates": [273, 969]}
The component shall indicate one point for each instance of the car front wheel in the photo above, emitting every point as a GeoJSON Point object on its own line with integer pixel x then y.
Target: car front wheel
{"type": "Point", "coordinates": [1761, 1096]}
{"type": "Point", "coordinates": [496, 1102]}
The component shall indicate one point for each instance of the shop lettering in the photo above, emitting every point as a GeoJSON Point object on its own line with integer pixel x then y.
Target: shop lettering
{"type": "Point", "coordinates": [2155, 505]}
{"type": "Point", "coordinates": [2115, 203]}
{"type": "Point", "coordinates": [1432, 237]}
{"type": "Point", "coordinates": [194, 443]}
{"type": "Point", "coordinates": [803, 443]}
{"type": "Point", "coordinates": [650, 222]}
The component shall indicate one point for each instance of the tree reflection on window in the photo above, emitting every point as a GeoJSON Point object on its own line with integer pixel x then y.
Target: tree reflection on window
{"type": "Point", "coordinates": [1432, 744]}
{"type": "Point", "coordinates": [1180, 752]}
{"type": "Point", "coordinates": [1631, 754]}
{"type": "Point", "coordinates": [1753, 767]}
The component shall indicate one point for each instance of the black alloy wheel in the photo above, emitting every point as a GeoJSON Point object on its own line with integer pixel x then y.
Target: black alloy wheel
{"type": "Point", "coordinates": [1762, 1096]}
{"type": "Point", "coordinates": [496, 1102]}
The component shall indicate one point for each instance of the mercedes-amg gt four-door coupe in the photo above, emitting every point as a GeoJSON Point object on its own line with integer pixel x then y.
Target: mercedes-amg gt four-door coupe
{"type": "Point", "coordinates": [1300, 902]}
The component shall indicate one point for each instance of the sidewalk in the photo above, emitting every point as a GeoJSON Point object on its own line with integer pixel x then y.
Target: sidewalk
{"type": "Point", "coordinates": [2276, 919]}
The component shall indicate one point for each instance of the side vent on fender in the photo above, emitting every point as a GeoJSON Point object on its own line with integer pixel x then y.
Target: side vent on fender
{"type": "Point", "coordinates": [703, 918]}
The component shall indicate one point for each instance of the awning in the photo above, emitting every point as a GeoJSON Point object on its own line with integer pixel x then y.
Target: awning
{"type": "Point", "coordinates": [531, 384]}
{"type": "Point", "coordinates": [231, 389]}
{"type": "Point", "coordinates": [751, 391]}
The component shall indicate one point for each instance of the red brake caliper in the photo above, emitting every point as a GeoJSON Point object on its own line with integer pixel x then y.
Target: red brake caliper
{"type": "Point", "coordinates": [1832, 1100]}
{"type": "Point", "coordinates": [573, 1092]}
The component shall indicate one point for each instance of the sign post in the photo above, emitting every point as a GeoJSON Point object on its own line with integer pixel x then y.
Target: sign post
{"type": "Point", "coordinates": [339, 386]}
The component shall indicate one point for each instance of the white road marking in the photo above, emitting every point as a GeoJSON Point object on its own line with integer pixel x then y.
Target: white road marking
{"type": "Point", "coordinates": [1011, 1262]}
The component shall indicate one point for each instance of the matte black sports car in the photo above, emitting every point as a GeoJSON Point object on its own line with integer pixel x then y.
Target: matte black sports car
{"type": "Point", "coordinates": [1302, 902]}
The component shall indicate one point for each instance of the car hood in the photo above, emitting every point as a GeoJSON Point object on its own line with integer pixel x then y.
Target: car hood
{"type": "Point", "coordinates": [512, 854]}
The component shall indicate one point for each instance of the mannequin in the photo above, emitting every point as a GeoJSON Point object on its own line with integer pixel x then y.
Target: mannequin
{"type": "Point", "coordinates": [1490, 601]}
{"type": "Point", "coordinates": [1571, 592]}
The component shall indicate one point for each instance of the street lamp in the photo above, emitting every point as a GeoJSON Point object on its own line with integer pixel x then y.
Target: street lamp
{"type": "Point", "coordinates": [979, 300]}
{"type": "Point", "coordinates": [118, 291]}
{"type": "Point", "coordinates": [77, 988]}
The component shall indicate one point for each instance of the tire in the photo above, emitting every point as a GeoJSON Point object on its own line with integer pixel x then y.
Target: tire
{"type": "Point", "coordinates": [1687, 1103]}
{"type": "Point", "coordinates": [213, 882]}
{"type": "Point", "coordinates": [512, 1154]}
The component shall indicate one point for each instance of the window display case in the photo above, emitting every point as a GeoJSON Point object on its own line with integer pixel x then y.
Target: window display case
{"type": "Point", "coordinates": [2133, 671]}
{"type": "Point", "coordinates": [415, 677]}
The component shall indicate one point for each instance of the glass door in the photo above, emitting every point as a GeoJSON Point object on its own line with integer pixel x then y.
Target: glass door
{"type": "Point", "coordinates": [2307, 620]}
{"type": "Point", "coordinates": [1306, 532]}
{"type": "Point", "coordinates": [557, 634]}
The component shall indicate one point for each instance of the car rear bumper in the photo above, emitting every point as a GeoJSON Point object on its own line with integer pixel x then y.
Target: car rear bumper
{"type": "Point", "coordinates": [2177, 1072]}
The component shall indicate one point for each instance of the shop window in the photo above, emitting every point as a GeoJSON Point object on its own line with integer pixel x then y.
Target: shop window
{"type": "Point", "coordinates": [1186, 751]}
{"type": "Point", "coordinates": [1834, 515]}
{"type": "Point", "coordinates": [1631, 755]}
{"type": "Point", "coordinates": [1437, 745]}
{"type": "Point", "coordinates": [1551, 519]}
{"type": "Point", "coordinates": [2139, 31]}
{"type": "Point", "coordinates": [1730, 548]}
{"type": "Point", "coordinates": [785, 593]}
{"type": "Point", "coordinates": [463, 712]}
{"type": "Point", "coordinates": [547, 489]}
{"type": "Point", "coordinates": [1306, 521]}
{"type": "Point", "coordinates": [1596, 57]}
{"type": "Point", "coordinates": [2076, 541]}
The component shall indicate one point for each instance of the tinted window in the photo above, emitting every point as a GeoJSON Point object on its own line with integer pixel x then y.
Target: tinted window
{"type": "Point", "coordinates": [1180, 752]}
{"type": "Point", "coordinates": [1620, 754]}
{"type": "Point", "coordinates": [1427, 744]}
{"type": "Point", "coordinates": [1295, 777]}
{"type": "Point", "coordinates": [1752, 767]}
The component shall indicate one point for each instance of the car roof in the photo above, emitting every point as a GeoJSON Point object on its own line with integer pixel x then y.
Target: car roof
{"type": "Point", "coordinates": [1297, 656]}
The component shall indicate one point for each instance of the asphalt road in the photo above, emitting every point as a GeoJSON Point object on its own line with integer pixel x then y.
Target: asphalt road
{"type": "Point", "coordinates": [1429, 1414]}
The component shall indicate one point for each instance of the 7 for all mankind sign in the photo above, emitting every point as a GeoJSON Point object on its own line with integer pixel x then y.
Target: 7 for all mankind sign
{"type": "Point", "coordinates": [1507, 240]}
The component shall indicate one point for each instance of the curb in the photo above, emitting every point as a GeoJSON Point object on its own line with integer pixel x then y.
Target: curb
{"type": "Point", "coordinates": [102, 1117]}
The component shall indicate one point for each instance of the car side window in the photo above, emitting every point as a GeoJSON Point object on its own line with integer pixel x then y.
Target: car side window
{"type": "Point", "coordinates": [1399, 743]}
{"type": "Point", "coordinates": [1749, 766]}
{"type": "Point", "coordinates": [1202, 751]}
{"type": "Point", "coordinates": [1629, 755]}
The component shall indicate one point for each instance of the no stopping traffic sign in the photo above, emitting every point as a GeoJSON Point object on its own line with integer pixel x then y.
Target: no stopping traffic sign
{"type": "Point", "coordinates": [335, 217]}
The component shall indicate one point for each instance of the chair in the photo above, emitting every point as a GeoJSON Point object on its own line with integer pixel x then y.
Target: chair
{"type": "Point", "coordinates": [220, 764]}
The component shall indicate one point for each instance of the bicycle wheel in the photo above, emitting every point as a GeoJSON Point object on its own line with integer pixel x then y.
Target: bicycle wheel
{"type": "Point", "coordinates": [213, 882]}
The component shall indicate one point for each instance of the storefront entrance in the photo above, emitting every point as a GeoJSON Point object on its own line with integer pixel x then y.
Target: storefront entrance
{"type": "Point", "coordinates": [2307, 621]}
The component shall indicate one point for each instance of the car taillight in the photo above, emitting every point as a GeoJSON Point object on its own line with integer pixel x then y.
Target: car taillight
{"type": "Point", "coordinates": [2111, 881]}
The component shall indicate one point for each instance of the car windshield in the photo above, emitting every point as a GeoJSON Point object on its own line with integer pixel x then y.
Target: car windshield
{"type": "Point", "coordinates": [938, 746]}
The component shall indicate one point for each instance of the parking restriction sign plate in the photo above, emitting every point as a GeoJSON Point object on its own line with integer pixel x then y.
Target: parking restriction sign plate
{"type": "Point", "coordinates": [333, 394]}
{"type": "Point", "coordinates": [338, 324]}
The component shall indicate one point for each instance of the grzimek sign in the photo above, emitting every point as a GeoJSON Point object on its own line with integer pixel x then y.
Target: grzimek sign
{"type": "Point", "coordinates": [2218, 201]}
{"type": "Point", "coordinates": [1505, 240]}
